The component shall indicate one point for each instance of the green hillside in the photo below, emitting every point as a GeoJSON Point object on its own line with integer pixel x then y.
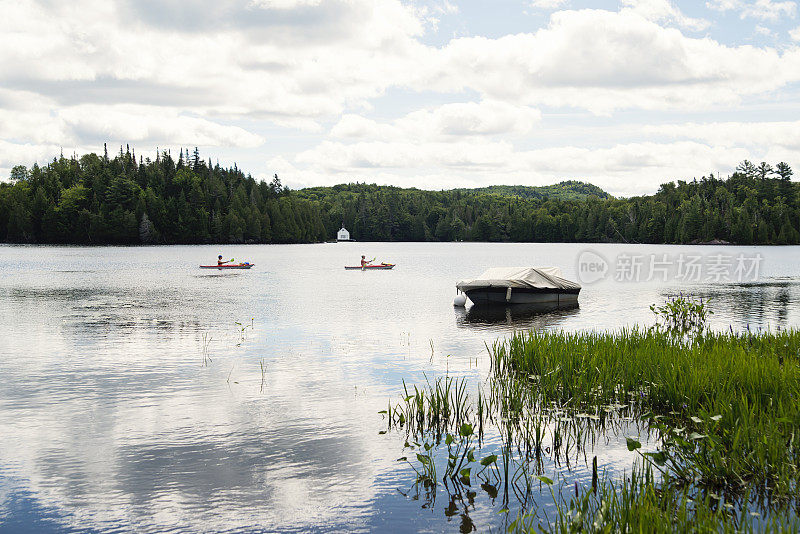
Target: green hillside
{"type": "Point", "coordinates": [567, 190]}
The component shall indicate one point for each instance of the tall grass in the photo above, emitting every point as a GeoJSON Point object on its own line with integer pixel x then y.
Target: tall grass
{"type": "Point", "coordinates": [728, 404]}
{"type": "Point", "coordinates": [639, 503]}
{"type": "Point", "coordinates": [438, 407]}
{"type": "Point", "coordinates": [724, 409]}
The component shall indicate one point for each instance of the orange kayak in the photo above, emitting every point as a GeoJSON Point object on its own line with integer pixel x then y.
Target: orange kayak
{"type": "Point", "coordinates": [228, 266]}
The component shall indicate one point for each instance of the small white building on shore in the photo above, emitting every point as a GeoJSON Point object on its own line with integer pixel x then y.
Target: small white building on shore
{"type": "Point", "coordinates": [343, 235]}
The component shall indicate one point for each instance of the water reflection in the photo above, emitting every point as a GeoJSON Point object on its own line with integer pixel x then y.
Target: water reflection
{"type": "Point", "coordinates": [110, 419]}
{"type": "Point", "coordinates": [534, 316]}
{"type": "Point", "coordinates": [765, 305]}
{"type": "Point", "coordinates": [563, 448]}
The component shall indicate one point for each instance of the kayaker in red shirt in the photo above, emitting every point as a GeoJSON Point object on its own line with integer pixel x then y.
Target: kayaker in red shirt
{"type": "Point", "coordinates": [364, 262]}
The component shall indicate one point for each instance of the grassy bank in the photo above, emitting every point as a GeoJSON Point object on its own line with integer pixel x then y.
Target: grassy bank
{"type": "Point", "coordinates": [727, 404]}
{"type": "Point", "coordinates": [721, 408]}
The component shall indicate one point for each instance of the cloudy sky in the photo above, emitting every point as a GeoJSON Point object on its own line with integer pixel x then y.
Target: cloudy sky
{"type": "Point", "coordinates": [626, 94]}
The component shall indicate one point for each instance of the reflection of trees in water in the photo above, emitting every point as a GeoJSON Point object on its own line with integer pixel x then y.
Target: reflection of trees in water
{"type": "Point", "coordinates": [534, 316]}
{"type": "Point", "coordinates": [766, 304]}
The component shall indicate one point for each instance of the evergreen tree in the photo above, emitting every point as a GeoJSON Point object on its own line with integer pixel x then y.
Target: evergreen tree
{"type": "Point", "coordinates": [784, 171]}
{"type": "Point", "coordinates": [764, 170]}
{"type": "Point", "coordinates": [145, 230]}
{"type": "Point", "coordinates": [747, 169]}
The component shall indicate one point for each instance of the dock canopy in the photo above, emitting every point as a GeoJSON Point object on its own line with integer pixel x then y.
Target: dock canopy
{"type": "Point", "coordinates": [518, 278]}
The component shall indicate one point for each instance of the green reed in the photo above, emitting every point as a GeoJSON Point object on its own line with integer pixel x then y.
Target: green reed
{"type": "Point", "coordinates": [441, 414]}
{"type": "Point", "coordinates": [641, 503]}
{"type": "Point", "coordinates": [727, 404]}
{"type": "Point", "coordinates": [437, 406]}
{"type": "Point", "coordinates": [723, 408]}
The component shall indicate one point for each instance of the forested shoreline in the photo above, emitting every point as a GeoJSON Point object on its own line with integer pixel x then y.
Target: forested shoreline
{"type": "Point", "coordinates": [99, 200]}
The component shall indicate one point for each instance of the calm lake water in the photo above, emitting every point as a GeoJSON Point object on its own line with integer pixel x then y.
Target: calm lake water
{"type": "Point", "coordinates": [130, 398]}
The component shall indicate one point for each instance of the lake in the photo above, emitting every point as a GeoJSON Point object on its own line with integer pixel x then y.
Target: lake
{"type": "Point", "coordinates": [138, 392]}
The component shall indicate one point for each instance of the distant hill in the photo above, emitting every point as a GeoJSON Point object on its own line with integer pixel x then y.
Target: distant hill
{"type": "Point", "coordinates": [567, 190]}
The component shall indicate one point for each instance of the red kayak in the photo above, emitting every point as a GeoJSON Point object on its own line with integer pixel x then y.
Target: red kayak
{"type": "Point", "coordinates": [228, 266]}
{"type": "Point", "coordinates": [370, 267]}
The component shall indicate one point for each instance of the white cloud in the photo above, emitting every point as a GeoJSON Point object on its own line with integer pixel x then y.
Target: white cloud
{"type": "Point", "coordinates": [92, 124]}
{"type": "Point", "coordinates": [407, 154]}
{"type": "Point", "coordinates": [795, 34]}
{"type": "Point", "coordinates": [297, 67]}
{"type": "Point", "coordinates": [306, 62]}
{"type": "Point", "coordinates": [12, 154]}
{"type": "Point", "coordinates": [284, 4]}
{"type": "Point", "coordinates": [770, 10]}
{"type": "Point", "coordinates": [759, 9]}
{"type": "Point", "coordinates": [602, 61]}
{"type": "Point", "coordinates": [548, 4]}
{"type": "Point", "coordinates": [457, 120]}
{"type": "Point", "coordinates": [593, 59]}
{"type": "Point", "coordinates": [783, 134]}
{"type": "Point", "coordinates": [78, 74]}
{"type": "Point", "coordinates": [724, 5]}
{"type": "Point", "coordinates": [666, 11]}
{"type": "Point", "coordinates": [622, 169]}
{"type": "Point", "coordinates": [763, 30]}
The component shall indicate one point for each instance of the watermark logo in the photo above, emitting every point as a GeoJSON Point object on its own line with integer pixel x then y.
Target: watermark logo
{"type": "Point", "coordinates": [683, 267]}
{"type": "Point", "coordinates": [592, 267]}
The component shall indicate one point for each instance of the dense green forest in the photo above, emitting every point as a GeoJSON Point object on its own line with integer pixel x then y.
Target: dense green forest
{"type": "Point", "coordinates": [121, 200]}
{"type": "Point", "coordinates": [568, 190]}
{"type": "Point", "coordinates": [99, 200]}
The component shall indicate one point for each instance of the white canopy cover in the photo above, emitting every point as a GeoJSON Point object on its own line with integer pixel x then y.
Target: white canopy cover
{"type": "Point", "coordinates": [519, 277]}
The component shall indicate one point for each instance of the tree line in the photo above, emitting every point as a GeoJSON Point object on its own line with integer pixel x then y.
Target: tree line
{"type": "Point", "coordinates": [100, 200]}
{"type": "Point", "coordinates": [121, 200]}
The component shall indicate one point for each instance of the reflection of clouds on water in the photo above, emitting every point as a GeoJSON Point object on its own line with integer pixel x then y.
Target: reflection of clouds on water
{"type": "Point", "coordinates": [110, 419]}
{"type": "Point", "coordinates": [125, 459]}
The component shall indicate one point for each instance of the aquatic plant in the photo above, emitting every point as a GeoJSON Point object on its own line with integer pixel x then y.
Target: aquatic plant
{"type": "Point", "coordinates": [436, 407]}
{"type": "Point", "coordinates": [641, 502]}
{"type": "Point", "coordinates": [721, 407]}
{"type": "Point", "coordinates": [242, 327]}
{"type": "Point", "coordinates": [726, 403]}
{"type": "Point", "coordinates": [426, 473]}
{"type": "Point", "coordinates": [263, 373]}
{"type": "Point", "coordinates": [205, 346]}
{"type": "Point", "coordinates": [682, 316]}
